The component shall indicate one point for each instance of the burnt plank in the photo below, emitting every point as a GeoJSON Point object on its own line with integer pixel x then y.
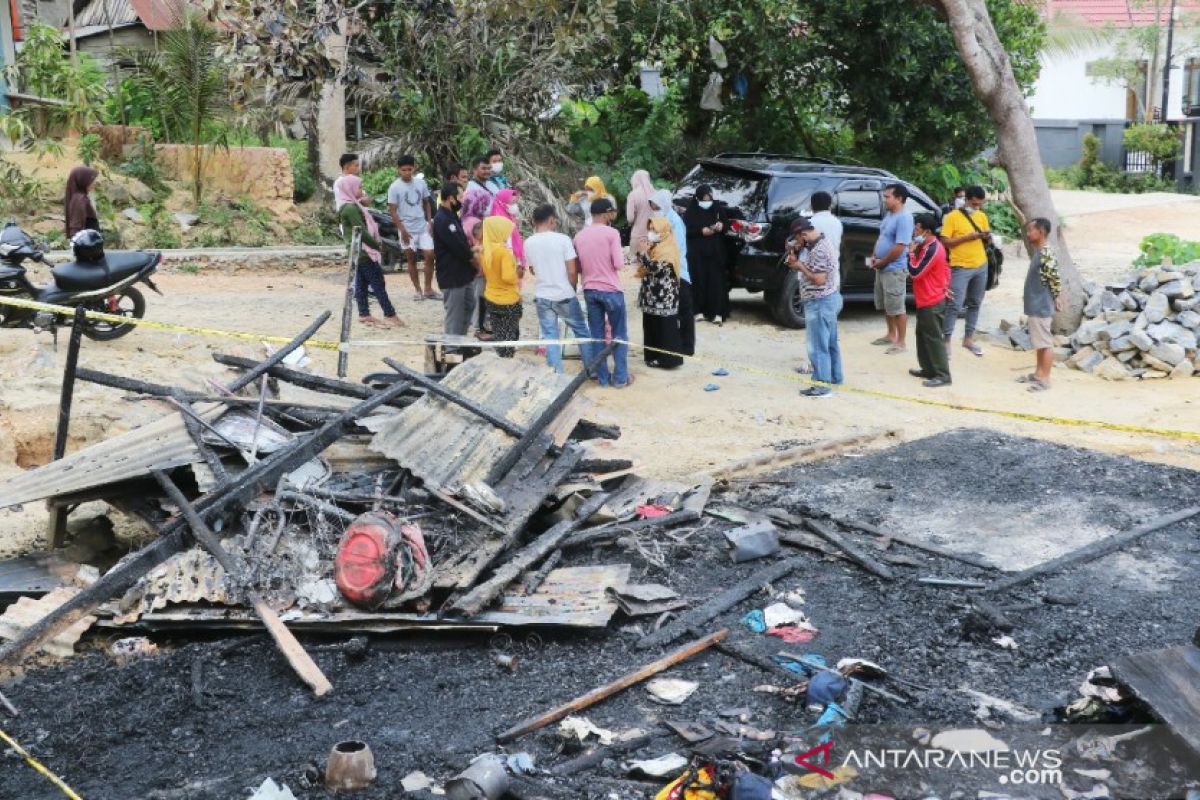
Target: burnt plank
{"type": "Point", "coordinates": [1169, 682]}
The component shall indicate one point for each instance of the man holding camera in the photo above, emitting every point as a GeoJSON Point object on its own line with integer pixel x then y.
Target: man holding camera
{"type": "Point", "coordinates": [812, 255]}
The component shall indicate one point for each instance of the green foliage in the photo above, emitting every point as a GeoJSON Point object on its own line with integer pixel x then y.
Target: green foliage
{"type": "Point", "coordinates": [89, 148]}
{"type": "Point", "coordinates": [240, 223]}
{"type": "Point", "coordinates": [1089, 163]}
{"type": "Point", "coordinates": [1093, 174]}
{"type": "Point", "coordinates": [144, 107]}
{"type": "Point", "coordinates": [1003, 218]}
{"type": "Point", "coordinates": [193, 87]}
{"type": "Point", "coordinates": [42, 69]}
{"type": "Point", "coordinates": [304, 182]}
{"type": "Point", "coordinates": [376, 183]}
{"type": "Point", "coordinates": [1157, 248]}
{"type": "Point", "coordinates": [313, 233]}
{"type": "Point", "coordinates": [143, 165]}
{"type": "Point", "coordinates": [1162, 142]}
{"type": "Point", "coordinates": [162, 227]}
{"type": "Point", "coordinates": [941, 179]}
{"type": "Point", "coordinates": [20, 194]}
{"type": "Point", "coordinates": [188, 268]}
{"type": "Point", "coordinates": [56, 240]}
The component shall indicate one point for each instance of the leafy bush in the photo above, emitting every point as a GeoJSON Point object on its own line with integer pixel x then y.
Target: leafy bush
{"type": "Point", "coordinates": [304, 183]}
{"type": "Point", "coordinates": [19, 193]}
{"type": "Point", "coordinates": [1089, 162]}
{"type": "Point", "coordinates": [163, 229]}
{"type": "Point", "coordinates": [377, 181]}
{"type": "Point", "coordinates": [143, 165]}
{"type": "Point", "coordinates": [41, 69]}
{"type": "Point", "coordinates": [89, 148]}
{"type": "Point", "coordinates": [240, 223]}
{"type": "Point", "coordinates": [1159, 247]}
{"type": "Point", "coordinates": [1162, 142]}
{"type": "Point", "coordinates": [1003, 218]}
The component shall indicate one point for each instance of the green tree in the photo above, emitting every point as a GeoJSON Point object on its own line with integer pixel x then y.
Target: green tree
{"type": "Point", "coordinates": [192, 83]}
{"type": "Point", "coordinates": [42, 69]}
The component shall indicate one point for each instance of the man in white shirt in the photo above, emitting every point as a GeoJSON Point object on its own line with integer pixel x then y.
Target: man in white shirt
{"type": "Point", "coordinates": [826, 223]}
{"type": "Point", "coordinates": [408, 203]}
{"type": "Point", "coordinates": [552, 259]}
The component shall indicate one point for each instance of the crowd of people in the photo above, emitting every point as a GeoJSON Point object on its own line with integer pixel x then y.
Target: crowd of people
{"type": "Point", "coordinates": [474, 244]}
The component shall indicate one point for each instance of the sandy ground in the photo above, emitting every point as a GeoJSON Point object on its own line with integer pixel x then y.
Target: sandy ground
{"type": "Point", "coordinates": [672, 426]}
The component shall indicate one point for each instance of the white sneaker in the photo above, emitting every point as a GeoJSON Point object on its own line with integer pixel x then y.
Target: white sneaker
{"type": "Point", "coordinates": [718, 321]}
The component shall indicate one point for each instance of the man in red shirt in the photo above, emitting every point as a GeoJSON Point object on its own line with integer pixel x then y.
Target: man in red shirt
{"type": "Point", "coordinates": [931, 286]}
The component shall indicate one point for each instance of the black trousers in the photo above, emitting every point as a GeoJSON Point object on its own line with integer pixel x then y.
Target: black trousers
{"type": "Point", "coordinates": [687, 320]}
{"type": "Point", "coordinates": [931, 344]}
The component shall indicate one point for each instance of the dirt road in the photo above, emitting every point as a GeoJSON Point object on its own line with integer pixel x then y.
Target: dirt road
{"type": "Point", "coordinates": [672, 426]}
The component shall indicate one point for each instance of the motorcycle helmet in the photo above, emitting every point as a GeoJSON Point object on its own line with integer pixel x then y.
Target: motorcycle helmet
{"type": "Point", "coordinates": [88, 246]}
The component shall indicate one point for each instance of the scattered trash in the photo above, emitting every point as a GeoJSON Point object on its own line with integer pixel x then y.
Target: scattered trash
{"type": "Point", "coordinates": [793, 634]}
{"type": "Point", "coordinates": [671, 691]}
{"type": "Point", "coordinates": [351, 766]}
{"type": "Point", "coordinates": [645, 599]}
{"type": "Point", "coordinates": [132, 648]}
{"type": "Point", "coordinates": [825, 688]}
{"type": "Point", "coordinates": [416, 781]}
{"type": "Point", "coordinates": [753, 541]}
{"type": "Point", "coordinates": [1007, 642]}
{"type": "Point", "coordinates": [1096, 747]}
{"type": "Point", "coordinates": [270, 790]}
{"type": "Point", "coordinates": [792, 785]}
{"type": "Point", "coordinates": [520, 764]}
{"type": "Point", "coordinates": [505, 661]}
{"type": "Point", "coordinates": [711, 387]}
{"type": "Point", "coordinates": [750, 786]}
{"type": "Point", "coordinates": [692, 785]}
{"type": "Point", "coordinates": [720, 372]}
{"type": "Point", "coordinates": [660, 767]}
{"type": "Point", "coordinates": [691, 732]}
{"type": "Point", "coordinates": [485, 779]}
{"type": "Point", "coordinates": [755, 620]}
{"type": "Point", "coordinates": [582, 727]}
{"type": "Point", "coordinates": [968, 740]}
{"type": "Point", "coordinates": [653, 511]}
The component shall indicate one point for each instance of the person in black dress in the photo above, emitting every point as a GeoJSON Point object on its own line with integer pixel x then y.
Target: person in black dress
{"type": "Point", "coordinates": [658, 297]}
{"type": "Point", "coordinates": [705, 221]}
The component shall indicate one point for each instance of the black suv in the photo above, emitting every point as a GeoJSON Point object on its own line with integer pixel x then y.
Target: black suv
{"type": "Point", "coordinates": [763, 193]}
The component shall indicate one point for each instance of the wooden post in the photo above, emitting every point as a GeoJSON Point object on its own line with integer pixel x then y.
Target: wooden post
{"type": "Point", "coordinates": [348, 306]}
{"type": "Point", "coordinates": [609, 689]}
{"type": "Point", "coordinates": [292, 650]}
{"type": "Point", "coordinates": [58, 514]}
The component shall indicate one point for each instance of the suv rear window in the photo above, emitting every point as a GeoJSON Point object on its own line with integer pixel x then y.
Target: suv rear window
{"type": "Point", "coordinates": [741, 192]}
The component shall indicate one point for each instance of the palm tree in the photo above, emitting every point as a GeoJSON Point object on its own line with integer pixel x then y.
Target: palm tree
{"type": "Point", "coordinates": [1068, 34]}
{"type": "Point", "coordinates": [193, 85]}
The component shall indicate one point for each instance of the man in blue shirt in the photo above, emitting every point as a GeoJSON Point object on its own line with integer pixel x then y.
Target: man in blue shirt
{"type": "Point", "coordinates": [891, 269]}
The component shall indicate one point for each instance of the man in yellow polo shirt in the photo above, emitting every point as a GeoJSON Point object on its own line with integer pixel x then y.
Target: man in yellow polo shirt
{"type": "Point", "coordinates": [968, 263]}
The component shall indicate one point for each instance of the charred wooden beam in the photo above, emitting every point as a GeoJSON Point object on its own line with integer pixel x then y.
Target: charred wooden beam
{"type": "Point", "coordinates": [173, 537]}
{"type": "Point", "coordinates": [263, 367]}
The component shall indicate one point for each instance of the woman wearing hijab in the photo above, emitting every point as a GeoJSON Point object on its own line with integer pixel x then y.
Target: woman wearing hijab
{"type": "Point", "coordinates": [580, 204]}
{"type": "Point", "coordinates": [502, 288]}
{"type": "Point", "coordinates": [78, 210]}
{"type": "Point", "coordinates": [706, 255]}
{"type": "Point", "coordinates": [637, 208]}
{"type": "Point", "coordinates": [658, 297]}
{"type": "Point", "coordinates": [369, 273]}
{"type": "Point", "coordinates": [505, 206]}
{"type": "Point", "coordinates": [661, 203]}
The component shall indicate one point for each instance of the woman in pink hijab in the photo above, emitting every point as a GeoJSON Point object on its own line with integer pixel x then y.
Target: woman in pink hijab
{"type": "Point", "coordinates": [637, 208]}
{"type": "Point", "coordinates": [369, 274]}
{"type": "Point", "coordinates": [505, 205]}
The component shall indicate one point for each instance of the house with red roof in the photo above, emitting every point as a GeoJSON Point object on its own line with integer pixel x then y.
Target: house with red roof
{"type": "Point", "coordinates": [1069, 99]}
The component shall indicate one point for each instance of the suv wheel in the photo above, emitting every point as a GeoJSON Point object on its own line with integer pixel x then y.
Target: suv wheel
{"type": "Point", "coordinates": [785, 302]}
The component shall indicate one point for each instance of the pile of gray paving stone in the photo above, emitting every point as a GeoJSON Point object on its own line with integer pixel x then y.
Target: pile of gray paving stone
{"type": "Point", "coordinates": [1146, 326]}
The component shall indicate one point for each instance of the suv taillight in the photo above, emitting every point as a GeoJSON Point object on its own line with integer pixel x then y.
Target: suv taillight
{"type": "Point", "coordinates": [749, 231]}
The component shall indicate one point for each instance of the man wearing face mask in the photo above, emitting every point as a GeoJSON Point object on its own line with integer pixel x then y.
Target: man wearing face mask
{"type": "Point", "coordinates": [498, 180]}
{"type": "Point", "coordinates": [958, 201]}
{"type": "Point", "coordinates": [456, 264]}
{"type": "Point", "coordinates": [811, 254]}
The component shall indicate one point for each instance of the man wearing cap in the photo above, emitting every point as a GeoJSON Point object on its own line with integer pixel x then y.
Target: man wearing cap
{"type": "Point", "coordinates": [813, 256]}
{"type": "Point", "coordinates": [601, 257]}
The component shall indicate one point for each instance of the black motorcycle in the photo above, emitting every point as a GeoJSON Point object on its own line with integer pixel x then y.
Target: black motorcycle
{"type": "Point", "coordinates": [106, 285]}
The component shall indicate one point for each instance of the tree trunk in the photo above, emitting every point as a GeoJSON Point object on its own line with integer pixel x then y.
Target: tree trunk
{"type": "Point", "coordinates": [991, 73]}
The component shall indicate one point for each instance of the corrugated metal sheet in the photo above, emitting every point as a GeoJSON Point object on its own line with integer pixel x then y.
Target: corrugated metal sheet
{"type": "Point", "coordinates": [447, 446]}
{"type": "Point", "coordinates": [26, 612]}
{"type": "Point", "coordinates": [163, 444]}
{"type": "Point", "coordinates": [156, 15]}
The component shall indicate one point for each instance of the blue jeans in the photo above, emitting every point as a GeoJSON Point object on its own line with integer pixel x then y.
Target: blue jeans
{"type": "Point", "coordinates": [610, 306]}
{"type": "Point", "coordinates": [820, 331]}
{"type": "Point", "coordinates": [549, 312]}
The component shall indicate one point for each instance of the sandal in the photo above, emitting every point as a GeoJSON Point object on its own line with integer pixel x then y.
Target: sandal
{"type": "Point", "coordinates": [894, 349]}
{"type": "Point", "coordinates": [974, 348]}
{"type": "Point", "coordinates": [418, 297]}
{"type": "Point", "coordinates": [371, 321]}
{"type": "Point", "coordinates": [394, 321]}
{"type": "Point", "coordinates": [1038, 386]}
{"type": "Point", "coordinates": [882, 340]}
{"type": "Point", "coordinates": [1030, 378]}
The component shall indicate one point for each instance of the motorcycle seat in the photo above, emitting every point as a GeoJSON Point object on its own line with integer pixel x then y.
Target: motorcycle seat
{"type": "Point", "coordinates": [76, 276]}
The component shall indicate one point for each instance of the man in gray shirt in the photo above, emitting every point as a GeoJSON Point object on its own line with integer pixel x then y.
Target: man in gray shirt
{"type": "Point", "coordinates": [408, 203]}
{"type": "Point", "coordinates": [1041, 299]}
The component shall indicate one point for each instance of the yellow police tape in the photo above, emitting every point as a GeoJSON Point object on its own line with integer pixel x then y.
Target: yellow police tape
{"type": "Point", "coordinates": [37, 765]}
{"type": "Point", "coordinates": [330, 345]}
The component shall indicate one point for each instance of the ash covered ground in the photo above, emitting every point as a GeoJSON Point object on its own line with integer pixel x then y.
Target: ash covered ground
{"type": "Point", "coordinates": [212, 719]}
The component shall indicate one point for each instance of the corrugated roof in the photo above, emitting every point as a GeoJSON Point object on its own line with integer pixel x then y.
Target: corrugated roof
{"type": "Point", "coordinates": [447, 446]}
{"type": "Point", "coordinates": [1117, 13]}
{"type": "Point", "coordinates": [156, 15]}
{"type": "Point", "coordinates": [163, 444]}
